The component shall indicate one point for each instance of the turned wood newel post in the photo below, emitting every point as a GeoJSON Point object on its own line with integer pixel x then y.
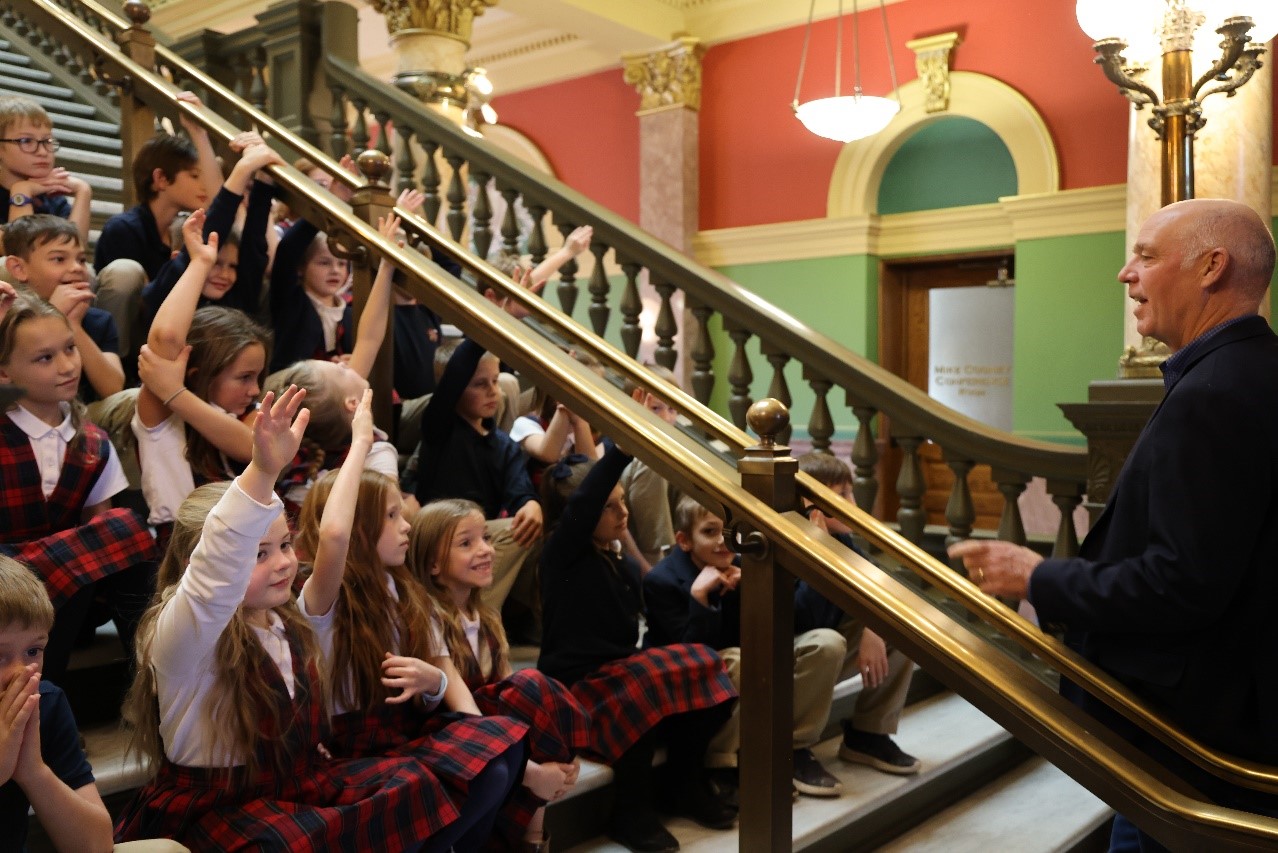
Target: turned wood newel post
{"type": "Point", "coordinates": [767, 643]}
{"type": "Point", "coordinates": [137, 120]}
{"type": "Point", "coordinates": [370, 202]}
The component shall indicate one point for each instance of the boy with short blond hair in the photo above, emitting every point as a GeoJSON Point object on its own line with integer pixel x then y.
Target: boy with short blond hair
{"type": "Point", "coordinates": [885, 672]}
{"type": "Point", "coordinates": [691, 597]}
{"type": "Point", "coordinates": [46, 256]}
{"type": "Point", "coordinates": [29, 181]}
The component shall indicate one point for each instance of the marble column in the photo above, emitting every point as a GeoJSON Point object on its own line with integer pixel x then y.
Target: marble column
{"type": "Point", "coordinates": [668, 80]}
{"type": "Point", "coordinates": [1232, 159]}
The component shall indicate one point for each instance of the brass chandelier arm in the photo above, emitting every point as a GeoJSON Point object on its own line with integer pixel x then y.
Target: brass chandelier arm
{"type": "Point", "coordinates": [1234, 31]}
{"type": "Point", "coordinates": [1110, 58]}
{"type": "Point", "coordinates": [1247, 65]}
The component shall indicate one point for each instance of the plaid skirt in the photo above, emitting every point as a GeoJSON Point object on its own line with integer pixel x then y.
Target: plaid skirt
{"type": "Point", "coordinates": [71, 559]}
{"type": "Point", "coordinates": [558, 730]}
{"type": "Point", "coordinates": [383, 804]}
{"type": "Point", "coordinates": [627, 697]}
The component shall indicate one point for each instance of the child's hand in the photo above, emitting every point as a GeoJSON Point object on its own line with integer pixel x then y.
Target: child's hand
{"type": "Point", "coordinates": [731, 578]}
{"type": "Point", "coordinates": [259, 155]}
{"type": "Point", "coordinates": [193, 128]}
{"type": "Point", "coordinates": [193, 237]}
{"type": "Point", "coordinates": [526, 526]}
{"type": "Point", "coordinates": [29, 758]}
{"type": "Point", "coordinates": [339, 187]}
{"type": "Point", "coordinates": [388, 227]}
{"type": "Point", "coordinates": [579, 240]}
{"type": "Point", "coordinates": [523, 278]}
{"type": "Point", "coordinates": [277, 432]}
{"type": "Point", "coordinates": [362, 422]}
{"type": "Point", "coordinates": [411, 676]}
{"type": "Point", "coordinates": [244, 139]}
{"type": "Point", "coordinates": [19, 701]}
{"type": "Point", "coordinates": [73, 300]}
{"type": "Point", "coordinates": [411, 200]}
{"type": "Point", "coordinates": [708, 582]}
{"type": "Point", "coordinates": [162, 376]}
{"type": "Point", "coordinates": [7, 296]}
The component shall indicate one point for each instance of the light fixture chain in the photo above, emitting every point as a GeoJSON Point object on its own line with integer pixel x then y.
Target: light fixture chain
{"type": "Point", "coordinates": [856, 51]}
{"type": "Point", "coordinates": [887, 39]}
{"type": "Point", "coordinates": [838, 50]}
{"type": "Point", "coordinates": [803, 58]}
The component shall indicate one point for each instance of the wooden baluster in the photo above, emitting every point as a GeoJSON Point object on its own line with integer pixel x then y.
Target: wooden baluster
{"type": "Point", "coordinates": [779, 386]}
{"type": "Point", "coordinates": [821, 423]}
{"type": "Point", "coordinates": [599, 288]}
{"type": "Point", "coordinates": [865, 456]}
{"type": "Point", "coordinates": [456, 216]}
{"type": "Point", "coordinates": [702, 352]}
{"type": "Point", "coordinates": [243, 71]}
{"type": "Point", "coordinates": [631, 309]}
{"type": "Point", "coordinates": [740, 376]}
{"type": "Point", "coordinates": [567, 288]}
{"type": "Point", "coordinates": [257, 91]}
{"type": "Point", "coordinates": [537, 236]}
{"type": "Point", "coordinates": [405, 166]}
{"type": "Point", "coordinates": [666, 327]}
{"type": "Point", "coordinates": [383, 131]}
{"type": "Point", "coordinates": [430, 183]}
{"type": "Point", "coordinates": [910, 486]}
{"type": "Point", "coordinates": [359, 133]}
{"type": "Point", "coordinates": [482, 231]}
{"type": "Point", "coordinates": [1011, 527]}
{"type": "Point", "coordinates": [510, 221]}
{"type": "Point", "coordinates": [337, 139]}
{"type": "Point", "coordinates": [1067, 496]}
{"type": "Point", "coordinates": [959, 511]}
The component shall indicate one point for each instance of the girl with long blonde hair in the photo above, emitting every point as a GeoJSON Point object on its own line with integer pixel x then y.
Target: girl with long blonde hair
{"type": "Point", "coordinates": [450, 551]}
{"type": "Point", "coordinates": [228, 701]}
{"type": "Point", "coordinates": [388, 668]}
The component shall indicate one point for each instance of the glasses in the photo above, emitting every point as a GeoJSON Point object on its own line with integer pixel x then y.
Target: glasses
{"type": "Point", "coordinates": [30, 145]}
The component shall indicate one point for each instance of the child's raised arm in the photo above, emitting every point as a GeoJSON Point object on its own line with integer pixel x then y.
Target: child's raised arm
{"type": "Point", "coordinates": [371, 332]}
{"type": "Point", "coordinates": [331, 545]}
{"type": "Point", "coordinates": [277, 433]}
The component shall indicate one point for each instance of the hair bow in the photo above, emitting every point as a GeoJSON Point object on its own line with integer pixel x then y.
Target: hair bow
{"type": "Point", "coordinates": [562, 469]}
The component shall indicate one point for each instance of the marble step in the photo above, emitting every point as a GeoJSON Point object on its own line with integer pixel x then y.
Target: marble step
{"type": "Point", "coordinates": [31, 87]}
{"type": "Point", "coordinates": [10, 70]}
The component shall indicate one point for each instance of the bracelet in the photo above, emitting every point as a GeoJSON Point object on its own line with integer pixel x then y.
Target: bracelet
{"type": "Point", "coordinates": [175, 394]}
{"type": "Point", "coordinates": [434, 698]}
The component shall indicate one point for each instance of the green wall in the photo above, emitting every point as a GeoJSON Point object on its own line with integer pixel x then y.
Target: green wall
{"type": "Point", "coordinates": [950, 163]}
{"type": "Point", "coordinates": [835, 296]}
{"type": "Point", "coordinates": [1069, 327]}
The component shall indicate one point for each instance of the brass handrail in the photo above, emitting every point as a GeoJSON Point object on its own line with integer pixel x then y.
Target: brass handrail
{"type": "Point", "coordinates": [912, 621]}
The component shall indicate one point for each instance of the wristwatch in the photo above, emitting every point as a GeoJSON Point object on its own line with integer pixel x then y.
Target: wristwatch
{"type": "Point", "coordinates": [19, 200]}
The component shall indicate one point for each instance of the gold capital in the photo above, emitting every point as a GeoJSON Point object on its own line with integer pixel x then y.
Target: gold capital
{"type": "Point", "coordinates": [667, 77]}
{"type": "Point", "coordinates": [932, 60]}
{"type": "Point", "coordinates": [453, 18]}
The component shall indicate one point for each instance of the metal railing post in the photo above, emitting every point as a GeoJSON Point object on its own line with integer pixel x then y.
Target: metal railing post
{"type": "Point", "coordinates": [767, 644]}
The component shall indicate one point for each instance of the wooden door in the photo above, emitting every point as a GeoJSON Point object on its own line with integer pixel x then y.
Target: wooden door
{"type": "Point", "coordinates": [904, 288]}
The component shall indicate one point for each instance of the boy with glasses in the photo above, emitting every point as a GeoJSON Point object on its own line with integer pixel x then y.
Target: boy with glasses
{"type": "Point", "coordinates": [29, 182]}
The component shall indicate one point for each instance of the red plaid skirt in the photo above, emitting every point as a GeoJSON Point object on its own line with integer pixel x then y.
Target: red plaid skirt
{"type": "Point", "coordinates": [389, 804]}
{"type": "Point", "coordinates": [71, 559]}
{"type": "Point", "coordinates": [627, 697]}
{"type": "Point", "coordinates": [558, 729]}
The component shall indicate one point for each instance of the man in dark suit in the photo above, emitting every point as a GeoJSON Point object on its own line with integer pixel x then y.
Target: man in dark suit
{"type": "Point", "coordinates": [1175, 586]}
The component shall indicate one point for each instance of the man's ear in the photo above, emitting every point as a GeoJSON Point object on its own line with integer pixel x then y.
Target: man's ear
{"type": "Point", "coordinates": [17, 268]}
{"type": "Point", "coordinates": [683, 541]}
{"type": "Point", "coordinates": [1214, 264]}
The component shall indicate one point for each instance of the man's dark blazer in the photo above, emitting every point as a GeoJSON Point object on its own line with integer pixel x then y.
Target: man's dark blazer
{"type": "Point", "coordinates": [1175, 588]}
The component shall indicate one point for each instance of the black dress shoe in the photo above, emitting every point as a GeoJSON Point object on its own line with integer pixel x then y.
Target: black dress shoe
{"type": "Point", "coordinates": [693, 798]}
{"type": "Point", "coordinates": [641, 832]}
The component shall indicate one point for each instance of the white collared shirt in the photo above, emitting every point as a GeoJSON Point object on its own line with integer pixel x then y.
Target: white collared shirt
{"type": "Point", "coordinates": [49, 444]}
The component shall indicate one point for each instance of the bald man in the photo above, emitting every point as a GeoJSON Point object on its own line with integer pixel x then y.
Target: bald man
{"type": "Point", "coordinates": [1175, 589]}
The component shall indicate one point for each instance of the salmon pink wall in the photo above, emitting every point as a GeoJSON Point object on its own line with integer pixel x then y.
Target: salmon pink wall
{"type": "Point", "coordinates": [588, 129]}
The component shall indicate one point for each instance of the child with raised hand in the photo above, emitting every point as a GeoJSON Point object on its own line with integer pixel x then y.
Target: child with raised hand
{"type": "Point", "coordinates": [228, 702]}
{"type": "Point", "coordinates": [58, 473]}
{"type": "Point", "coordinates": [387, 667]}
{"type": "Point", "coordinates": [201, 374]}
{"type": "Point", "coordinates": [450, 552]}
{"type": "Point", "coordinates": [592, 602]}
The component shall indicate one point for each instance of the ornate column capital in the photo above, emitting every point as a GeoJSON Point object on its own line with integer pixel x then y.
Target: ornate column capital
{"type": "Point", "coordinates": [932, 60]}
{"type": "Point", "coordinates": [452, 18]}
{"type": "Point", "coordinates": [667, 77]}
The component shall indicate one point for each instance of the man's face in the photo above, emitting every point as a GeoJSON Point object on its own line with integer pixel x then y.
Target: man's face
{"type": "Point", "coordinates": [1166, 293]}
{"type": "Point", "coordinates": [16, 164]}
{"type": "Point", "coordinates": [59, 261]}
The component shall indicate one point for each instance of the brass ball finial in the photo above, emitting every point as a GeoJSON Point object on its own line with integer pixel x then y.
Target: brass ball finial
{"type": "Point", "coordinates": [768, 418]}
{"type": "Point", "coordinates": [137, 12]}
{"type": "Point", "coordinates": [374, 165]}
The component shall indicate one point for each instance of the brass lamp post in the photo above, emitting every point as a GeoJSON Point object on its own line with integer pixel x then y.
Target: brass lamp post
{"type": "Point", "coordinates": [1244, 27]}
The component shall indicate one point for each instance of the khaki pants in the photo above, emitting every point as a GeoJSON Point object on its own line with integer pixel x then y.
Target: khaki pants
{"type": "Point", "coordinates": [818, 656]}
{"type": "Point", "coordinates": [510, 575]}
{"type": "Point", "coordinates": [878, 709]}
{"type": "Point", "coordinates": [119, 293]}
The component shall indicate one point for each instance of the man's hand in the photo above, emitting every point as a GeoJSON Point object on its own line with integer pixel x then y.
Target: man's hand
{"type": "Point", "coordinates": [872, 660]}
{"type": "Point", "coordinates": [998, 568]}
{"type": "Point", "coordinates": [526, 526]}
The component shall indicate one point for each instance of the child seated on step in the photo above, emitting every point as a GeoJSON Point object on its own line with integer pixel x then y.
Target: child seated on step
{"type": "Point", "coordinates": [592, 602]}
{"type": "Point", "coordinates": [58, 473]}
{"type": "Point", "coordinates": [650, 498]}
{"type": "Point", "coordinates": [692, 597]}
{"type": "Point", "coordinates": [885, 672]}
{"type": "Point", "coordinates": [29, 182]}
{"type": "Point", "coordinates": [450, 553]}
